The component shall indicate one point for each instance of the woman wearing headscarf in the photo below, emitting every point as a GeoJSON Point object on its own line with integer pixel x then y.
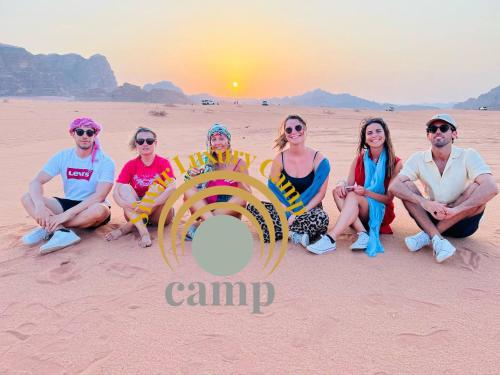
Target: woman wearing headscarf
{"type": "Point", "coordinates": [218, 143]}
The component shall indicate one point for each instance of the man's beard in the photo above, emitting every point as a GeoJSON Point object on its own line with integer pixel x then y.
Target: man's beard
{"type": "Point", "coordinates": [85, 147]}
{"type": "Point", "coordinates": [441, 144]}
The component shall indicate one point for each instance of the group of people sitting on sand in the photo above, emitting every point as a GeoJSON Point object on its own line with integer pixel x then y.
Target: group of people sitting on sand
{"type": "Point", "coordinates": [457, 181]}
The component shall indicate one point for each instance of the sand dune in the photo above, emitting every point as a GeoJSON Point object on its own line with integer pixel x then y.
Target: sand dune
{"type": "Point", "coordinates": [99, 307]}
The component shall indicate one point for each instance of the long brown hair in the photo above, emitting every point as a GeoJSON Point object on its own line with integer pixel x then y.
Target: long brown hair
{"type": "Point", "coordinates": [362, 146]}
{"type": "Point", "coordinates": [281, 141]}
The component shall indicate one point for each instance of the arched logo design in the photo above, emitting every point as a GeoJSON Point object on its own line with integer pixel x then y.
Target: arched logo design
{"type": "Point", "coordinates": [229, 190]}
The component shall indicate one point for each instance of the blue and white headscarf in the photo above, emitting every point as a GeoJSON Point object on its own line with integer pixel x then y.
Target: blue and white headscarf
{"type": "Point", "coordinates": [207, 164]}
{"type": "Point", "coordinates": [217, 129]}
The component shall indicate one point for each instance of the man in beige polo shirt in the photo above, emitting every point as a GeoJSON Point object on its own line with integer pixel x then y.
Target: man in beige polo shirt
{"type": "Point", "coordinates": [458, 184]}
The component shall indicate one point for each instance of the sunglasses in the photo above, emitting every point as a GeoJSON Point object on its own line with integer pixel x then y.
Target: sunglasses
{"type": "Point", "coordinates": [89, 132]}
{"type": "Point", "coordinates": [298, 128]}
{"type": "Point", "coordinates": [149, 141]}
{"type": "Point", "coordinates": [443, 128]}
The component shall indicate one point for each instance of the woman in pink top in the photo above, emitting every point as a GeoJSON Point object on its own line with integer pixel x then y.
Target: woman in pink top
{"type": "Point", "coordinates": [137, 176]}
{"type": "Point", "coordinates": [218, 143]}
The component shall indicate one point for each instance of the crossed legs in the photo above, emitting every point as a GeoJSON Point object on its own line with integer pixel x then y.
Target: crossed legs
{"type": "Point", "coordinates": [128, 195]}
{"type": "Point", "coordinates": [90, 217]}
{"type": "Point", "coordinates": [421, 216]}
{"type": "Point", "coordinates": [353, 211]}
{"type": "Point", "coordinates": [218, 211]}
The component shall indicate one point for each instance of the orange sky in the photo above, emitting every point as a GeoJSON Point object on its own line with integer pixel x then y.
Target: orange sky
{"type": "Point", "coordinates": [389, 50]}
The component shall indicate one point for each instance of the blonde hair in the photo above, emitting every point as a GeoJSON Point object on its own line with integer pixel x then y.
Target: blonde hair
{"type": "Point", "coordinates": [140, 129]}
{"type": "Point", "coordinates": [281, 141]}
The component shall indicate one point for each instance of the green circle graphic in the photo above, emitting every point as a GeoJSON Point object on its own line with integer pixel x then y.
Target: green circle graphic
{"type": "Point", "coordinates": [222, 245]}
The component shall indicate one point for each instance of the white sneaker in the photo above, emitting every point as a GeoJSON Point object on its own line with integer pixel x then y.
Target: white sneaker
{"type": "Point", "coordinates": [35, 236]}
{"type": "Point", "coordinates": [323, 245]}
{"type": "Point", "coordinates": [362, 242]}
{"type": "Point", "coordinates": [417, 241]}
{"type": "Point", "coordinates": [61, 239]}
{"type": "Point", "coordinates": [299, 238]}
{"type": "Point", "coordinates": [443, 249]}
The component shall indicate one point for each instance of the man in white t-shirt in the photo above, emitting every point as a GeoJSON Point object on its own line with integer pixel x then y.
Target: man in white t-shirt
{"type": "Point", "coordinates": [87, 175]}
{"type": "Point", "coordinates": [454, 206]}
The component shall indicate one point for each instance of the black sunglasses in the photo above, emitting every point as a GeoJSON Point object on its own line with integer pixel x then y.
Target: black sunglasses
{"type": "Point", "coordinates": [89, 132]}
{"type": "Point", "coordinates": [443, 128]}
{"type": "Point", "coordinates": [149, 141]}
{"type": "Point", "coordinates": [298, 128]}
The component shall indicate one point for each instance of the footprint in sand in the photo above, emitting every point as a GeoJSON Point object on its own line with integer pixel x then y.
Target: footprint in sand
{"type": "Point", "coordinates": [314, 332]}
{"type": "Point", "coordinates": [208, 345]}
{"type": "Point", "coordinates": [468, 258]}
{"type": "Point", "coordinates": [17, 334]}
{"type": "Point", "coordinates": [434, 338]}
{"type": "Point", "coordinates": [124, 270]}
{"type": "Point", "coordinates": [66, 271]}
{"type": "Point", "coordinates": [23, 331]}
{"type": "Point", "coordinates": [477, 294]}
{"type": "Point", "coordinates": [395, 302]}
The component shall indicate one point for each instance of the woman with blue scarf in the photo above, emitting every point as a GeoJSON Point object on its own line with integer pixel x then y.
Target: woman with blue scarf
{"type": "Point", "coordinates": [301, 170]}
{"type": "Point", "coordinates": [363, 200]}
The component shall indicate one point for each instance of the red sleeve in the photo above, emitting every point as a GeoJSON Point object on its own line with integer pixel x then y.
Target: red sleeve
{"type": "Point", "coordinates": [165, 165]}
{"type": "Point", "coordinates": [126, 173]}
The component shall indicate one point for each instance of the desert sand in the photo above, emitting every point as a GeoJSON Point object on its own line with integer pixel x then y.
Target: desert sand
{"type": "Point", "coordinates": [99, 307]}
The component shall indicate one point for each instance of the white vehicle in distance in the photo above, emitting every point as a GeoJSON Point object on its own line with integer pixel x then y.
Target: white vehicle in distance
{"type": "Point", "coordinates": [483, 108]}
{"type": "Point", "coordinates": [265, 103]}
{"type": "Point", "coordinates": [207, 102]}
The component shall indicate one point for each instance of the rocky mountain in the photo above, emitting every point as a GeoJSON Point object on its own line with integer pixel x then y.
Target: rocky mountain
{"type": "Point", "coordinates": [132, 93]}
{"type": "Point", "coordinates": [162, 85]}
{"type": "Point", "coordinates": [321, 98]}
{"type": "Point", "coordinates": [491, 100]}
{"type": "Point", "coordinates": [25, 74]}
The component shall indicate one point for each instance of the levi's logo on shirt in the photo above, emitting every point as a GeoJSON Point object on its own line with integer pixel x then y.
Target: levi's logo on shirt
{"type": "Point", "coordinates": [79, 174]}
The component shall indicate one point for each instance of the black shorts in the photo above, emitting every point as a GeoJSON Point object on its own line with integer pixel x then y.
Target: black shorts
{"type": "Point", "coordinates": [66, 204]}
{"type": "Point", "coordinates": [464, 228]}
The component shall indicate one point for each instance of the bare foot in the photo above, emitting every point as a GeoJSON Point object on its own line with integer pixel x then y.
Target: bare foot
{"type": "Point", "coordinates": [117, 233]}
{"type": "Point", "coordinates": [113, 235]}
{"type": "Point", "coordinates": [145, 240]}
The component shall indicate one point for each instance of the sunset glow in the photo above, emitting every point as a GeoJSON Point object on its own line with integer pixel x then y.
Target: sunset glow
{"type": "Point", "coordinates": [378, 51]}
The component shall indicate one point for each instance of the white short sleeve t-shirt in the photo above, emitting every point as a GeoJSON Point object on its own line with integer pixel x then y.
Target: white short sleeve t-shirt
{"type": "Point", "coordinates": [80, 176]}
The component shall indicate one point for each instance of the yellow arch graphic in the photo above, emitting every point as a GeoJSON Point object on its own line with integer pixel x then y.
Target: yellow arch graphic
{"type": "Point", "coordinates": [229, 206]}
{"type": "Point", "coordinates": [216, 190]}
{"type": "Point", "coordinates": [235, 176]}
{"type": "Point", "coordinates": [224, 190]}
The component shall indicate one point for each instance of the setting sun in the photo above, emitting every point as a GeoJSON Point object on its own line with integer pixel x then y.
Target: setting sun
{"type": "Point", "coordinates": [235, 84]}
